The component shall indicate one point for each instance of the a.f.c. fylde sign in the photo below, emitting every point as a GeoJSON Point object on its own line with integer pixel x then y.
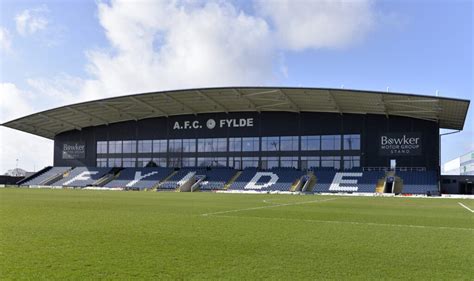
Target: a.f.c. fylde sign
{"type": "Point", "coordinates": [212, 123]}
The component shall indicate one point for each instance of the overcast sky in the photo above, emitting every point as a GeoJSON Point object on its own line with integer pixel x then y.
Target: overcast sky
{"type": "Point", "coordinates": [55, 53]}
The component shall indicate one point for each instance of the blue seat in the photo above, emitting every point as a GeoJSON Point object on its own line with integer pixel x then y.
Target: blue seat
{"type": "Point", "coordinates": [286, 177]}
{"type": "Point", "coordinates": [139, 178]}
{"type": "Point", "coordinates": [82, 176]}
{"type": "Point", "coordinates": [417, 182]}
{"type": "Point", "coordinates": [44, 177]}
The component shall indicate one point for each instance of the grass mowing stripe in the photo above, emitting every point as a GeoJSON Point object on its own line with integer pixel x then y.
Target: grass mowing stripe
{"type": "Point", "coordinates": [349, 222]}
{"type": "Point", "coordinates": [466, 207]}
{"type": "Point", "coordinates": [97, 235]}
{"type": "Point", "coordinates": [266, 207]}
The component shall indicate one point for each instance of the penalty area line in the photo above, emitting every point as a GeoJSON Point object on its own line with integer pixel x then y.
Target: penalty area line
{"type": "Point", "coordinates": [466, 207]}
{"type": "Point", "coordinates": [267, 207]}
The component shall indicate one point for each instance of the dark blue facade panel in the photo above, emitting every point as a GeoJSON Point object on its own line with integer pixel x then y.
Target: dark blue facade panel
{"type": "Point", "coordinates": [411, 142]}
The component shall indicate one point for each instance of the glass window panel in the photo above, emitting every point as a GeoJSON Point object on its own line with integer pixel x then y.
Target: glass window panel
{"type": "Point", "coordinates": [101, 162]}
{"type": "Point", "coordinates": [212, 145]}
{"type": "Point", "coordinates": [235, 162]}
{"type": "Point", "coordinates": [204, 161]}
{"type": "Point", "coordinates": [270, 143]}
{"type": "Point", "coordinates": [331, 162]}
{"type": "Point", "coordinates": [160, 162]}
{"type": "Point", "coordinates": [142, 162]}
{"type": "Point", "coordinates": [115, 162]}
{"type": "Point", "coordinates": [289, 143]}
{"type": "Point", "coordinates": [212, 162]}
{"type": "Point", "coordinates": [235, 144]}
{"type": "Point", "coordinates": [351, 162]}
{"type": "Point", "coordinates": [129, 162]}
{"type": "Point", "coordinates": [250, 144]}
{"type": "Point", "coordinates": [160, 146]}
{"type": "Point", "coordinates": [332, 142]}
{"type": "Point", "coordinates": [189, 162]}
{"type": "Point", "coordinates": [269, 162]}
{"type": "Point", "coordinates": [174, 162]}
{"type": "Point", "coordinates": [351, 142]}
{"type": "Point", "coordinates": [189, 145]}
{"type": "Point", "coordinates": [144, 146]}
{"type": "Point", "coordinates": [310, 143]}
{"type": "Point", "coordinates": [249, 162]}
{"type": "Point", "coordinates": [129, 146]}
{"type": "Point", "coordinates": [101, 147]}
{"type": "Point", "coordinates": [206, 145]}
{"type": "Point", "coordinates": [176, 146]}
{"type": "Point", "coordinates": [115, 146]}
{"type": "Point", "coordinates": [291, 162]}
{"type": "Point", "coordinates": [310, 162]}
{"type": "Point", "coordinates": [222, 144]}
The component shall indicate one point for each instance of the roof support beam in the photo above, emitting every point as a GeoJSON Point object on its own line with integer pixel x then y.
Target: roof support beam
{"type": "Point", "coordinates": [225, 109]}
{"type": "Point", "coordinates": [120, 112]}
{"type": "Point", "coordinates": [413, 101]}
{"type": "Point", "coordinates": [88, 114]}
{"type": "Point", "coordinates": [260, 93]}
{"type": "Point", "coordinates": [418, 117]}
{"type": "Point", "coordinates": [55, 119]}
{"type": "Point", "coordinates": [35, 129]}
{"type": "Point", "coordinates": [251, 103]}
{"type": "Point", "coordinates": [180, 103]}
{"type": "Point", "coordinates": [384, 105]}
{"type": "Point", "coordinates": [153, 108]}
{"type": "Point", "coordinates": [331, 95]}
{"type": "Point", "coordinates": [293, 104]}
{"type": "Point", "coordinates": [414, 111]}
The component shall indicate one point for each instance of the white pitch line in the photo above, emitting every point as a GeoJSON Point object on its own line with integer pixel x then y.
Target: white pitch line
{"type": "Point", "coordinates": [269, 202]}
{"type": "Point", "coordinates": [466, 207]}
{"type": "Point", "coordinates": [266, 207]}
{"type": "Point", "coordinates": [351, 222]}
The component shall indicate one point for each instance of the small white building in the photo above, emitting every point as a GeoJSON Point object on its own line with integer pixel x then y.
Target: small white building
{"type": "Point", "coordinates": [463, 165]}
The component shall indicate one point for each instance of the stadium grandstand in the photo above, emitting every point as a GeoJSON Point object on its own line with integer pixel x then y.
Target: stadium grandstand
{"type": "Point", "coordinates": [248, 139]}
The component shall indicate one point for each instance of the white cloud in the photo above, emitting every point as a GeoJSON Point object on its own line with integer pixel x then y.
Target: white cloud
{"type": "Point", "coordinates": [163, 46]}
{"type": "Point", "coordinates": [301, 24]}
{"type": "Point", "coordinates": [5, 39]}
{"type": "Point", "coordinates": [59, 90]}
{"type": "Point", "coordinates": [30, 21]}
{"type": "Point", "coordinates": [183, 44]}
{"type": "Point", "coordinates": [33, 152]}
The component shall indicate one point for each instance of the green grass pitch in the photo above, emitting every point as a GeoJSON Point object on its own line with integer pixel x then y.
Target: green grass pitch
{"type": "Point", "coordinates": [77, 234]}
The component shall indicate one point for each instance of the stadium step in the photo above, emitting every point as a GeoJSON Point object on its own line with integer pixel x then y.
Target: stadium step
{"type": "Point", "coordinates": [114, 172]}
{"type": "Point", "coordinates": [310, 184]}
{"type": "Point", "coordinates": [398, 186]}
{"type": "Point", "coordinates": [56, 178]}
{"type": "Point", "coordinates": [195, 187]}
{"type": "Point", "coordinates": [157, 185]}
{"type": "Point", "coordinates": [297, 185]}
{"type": "Point", "coordinates": [185, 184]}
{"type": "Point", "coordinates": [236, 176]}
{"type": "Point", "coordinates": [380, 185]}
{"type": "Point", "coordinates": [169, 177]}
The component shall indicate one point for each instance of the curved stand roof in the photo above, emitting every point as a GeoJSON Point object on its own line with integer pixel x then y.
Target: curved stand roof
{"type": "Point", "coordinates": [449, 113]}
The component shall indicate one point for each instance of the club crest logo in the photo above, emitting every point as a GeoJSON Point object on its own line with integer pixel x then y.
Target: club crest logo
{"type": "Point", "coordinates": [211, 124]}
